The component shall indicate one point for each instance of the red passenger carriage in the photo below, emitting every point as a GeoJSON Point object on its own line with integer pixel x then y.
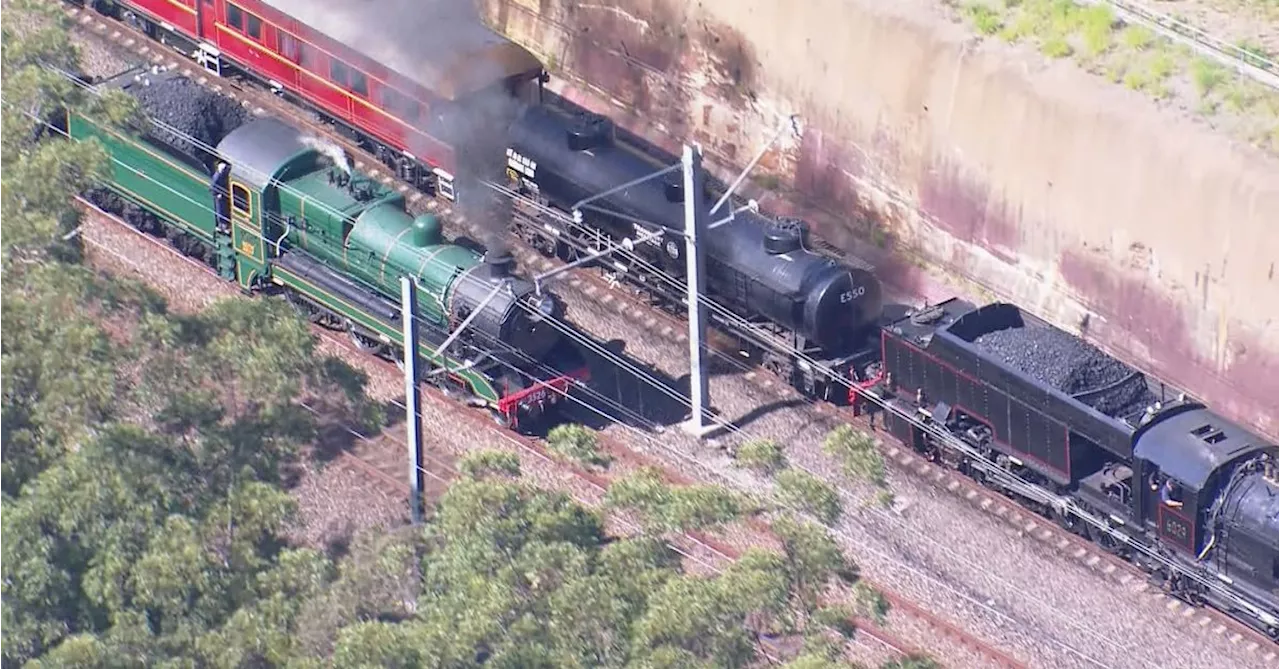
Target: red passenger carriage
{"type": "Point", "coordinates": [400, 81]}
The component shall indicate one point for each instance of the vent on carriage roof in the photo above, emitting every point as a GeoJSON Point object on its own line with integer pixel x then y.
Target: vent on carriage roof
{"type": "Point", "coordinates": [1209, 434]}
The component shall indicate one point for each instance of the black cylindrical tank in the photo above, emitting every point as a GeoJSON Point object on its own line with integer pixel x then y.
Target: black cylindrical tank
{"type": "Point", "coordinates": [756, 266]}
{"type": "Point", "coordinates": [765, 267]}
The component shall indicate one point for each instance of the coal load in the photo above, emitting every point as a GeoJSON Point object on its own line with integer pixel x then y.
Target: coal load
{"type": "Point", "coordinates": [1069, 364]}
{"type": "Point", "coordinates": [191, 119]}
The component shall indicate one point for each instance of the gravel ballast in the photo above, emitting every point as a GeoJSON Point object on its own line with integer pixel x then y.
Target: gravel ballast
{"type": "Point", "coordinates": [933, 547]}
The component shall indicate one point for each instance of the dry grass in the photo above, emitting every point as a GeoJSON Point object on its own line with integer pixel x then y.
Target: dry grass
{"type": "Point", "coordinates": [1136, 58]}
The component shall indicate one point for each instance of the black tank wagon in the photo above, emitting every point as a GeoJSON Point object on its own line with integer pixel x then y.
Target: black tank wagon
{"type": "Point", "coordinates": [760, 268]}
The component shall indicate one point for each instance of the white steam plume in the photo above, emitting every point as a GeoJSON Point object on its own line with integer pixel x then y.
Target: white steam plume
{"type": "Point", "coordinates": [329, 149]}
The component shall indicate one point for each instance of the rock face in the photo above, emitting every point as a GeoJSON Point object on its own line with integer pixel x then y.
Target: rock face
{"type": "Point", "coordinates": [1144, 231]}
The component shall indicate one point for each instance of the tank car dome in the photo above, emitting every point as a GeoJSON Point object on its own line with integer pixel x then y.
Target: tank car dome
{"type": "Point", "coordinates": [426, 230]}
{"type": "Point", "coordinates": [587, 131]}
{"type": "Point", "coordinates": [784, 235]}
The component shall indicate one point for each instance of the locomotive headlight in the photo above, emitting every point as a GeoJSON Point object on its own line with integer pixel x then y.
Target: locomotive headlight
{"type": "Point", "coordinates": [544, 308]}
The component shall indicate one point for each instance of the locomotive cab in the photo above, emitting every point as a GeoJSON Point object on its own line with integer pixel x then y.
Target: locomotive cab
{"type": "Point", "coordinates": [1185, 459]}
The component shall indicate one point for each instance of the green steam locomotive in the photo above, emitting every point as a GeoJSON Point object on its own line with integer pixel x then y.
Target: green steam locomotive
{"type": "Point", "coordinates": [279, 212]}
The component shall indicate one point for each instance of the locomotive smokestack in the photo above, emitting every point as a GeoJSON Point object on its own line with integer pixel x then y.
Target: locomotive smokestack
{"type": "Point", "coordinates": [499, 262]}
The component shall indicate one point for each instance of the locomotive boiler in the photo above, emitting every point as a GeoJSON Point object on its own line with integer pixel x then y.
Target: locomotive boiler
{"type": "Point", "coordinates": [759, 267]}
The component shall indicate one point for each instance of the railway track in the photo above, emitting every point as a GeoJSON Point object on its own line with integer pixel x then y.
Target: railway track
{"type": "Point", "coordinates": [698, 548]}
{"type": "Point", "coordinates": [1027, 525]}
{"type": "Point", "coordinates": [261, 102]}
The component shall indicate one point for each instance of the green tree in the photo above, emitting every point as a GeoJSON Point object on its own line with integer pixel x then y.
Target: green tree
{"type": "Point", "coordinates": [857, 452]}
{"type": "Point", "coordinates": [577, 443]}
{"type": "Point", "coordinates": [59, 367]}
{"type": "Point", "coordinates": [675, 508]}
{"type": "Point", "coordinates": [39, 175]}
{"type": "Point", "coordinates": [144, 497]}
{"type": "Point", "coordinates": [810, 493]}
{"type": "Point", "coordinates": [812, 557]}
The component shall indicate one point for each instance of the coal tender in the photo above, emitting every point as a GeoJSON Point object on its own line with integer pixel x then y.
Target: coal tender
{"type": "Point", "coordinates": [1163, 469]}
{"type": "Point", "coordinates": [1012, 382]}
{"type": "Point", "coordinates": [760, 268]}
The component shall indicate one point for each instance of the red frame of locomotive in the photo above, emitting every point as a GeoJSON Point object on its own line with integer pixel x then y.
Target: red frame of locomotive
{"type": "Point", "coordinates": [287, 53]}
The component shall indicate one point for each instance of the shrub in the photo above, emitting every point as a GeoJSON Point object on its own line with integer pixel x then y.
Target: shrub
{"type": "Point", "coordinates": [870, 602]}
{"type": "Point", "coordinates": [1136, 37]}
{"type": "Point", "coordinates": [1206, 75]}
{"type": "Point", "coordinates": [984, 19]}
{"type": "Point", "coordinates": [1055, 47]}
{"type": "Point", "coordinates": [578, 443]}
{"type": "Point", "coordinates": [700, 506]}
{"type": "Point", "coordinates": [809, 493]}
{"type": "Point", "coordinates": [857, 452]}
{"type": "Point", "coordinates": [912, 661]}
{"type": "Point", "coordinates": [484, 463]}
{"type": "Point", "coordinates": [667, 508]}
{"type": "Point", "coordinates": [763, 455]}
{"type": "Point", "coordinates": [1096, 23]}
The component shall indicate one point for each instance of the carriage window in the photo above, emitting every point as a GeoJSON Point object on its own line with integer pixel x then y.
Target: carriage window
{"type": "Point", "coordinates": [358, 84]}
{"type": "Point", "coordinates": [240, 198]}
{"type": "Point", "coordinates": [337, 71]}
{"type": "Point", "coordinates": [401, 106]}
{"type": "Point", "coordinates": [255, 27]}
{"type": "Point", "coordinates": [235, 17]}
{"type": "Point", "coordinates": [289, 46]}
{"type": "Point", "coordinates": [306, 56]}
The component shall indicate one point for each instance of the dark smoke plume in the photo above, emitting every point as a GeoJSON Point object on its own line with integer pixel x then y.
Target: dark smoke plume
{"type": "Point", "coordinates": [436, 42]}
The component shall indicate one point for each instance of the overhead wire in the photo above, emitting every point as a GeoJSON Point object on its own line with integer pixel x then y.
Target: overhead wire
{"type": "Point", "coordinates": [724, 423]}
{"type": "Point", "coordinates": [560, 324]}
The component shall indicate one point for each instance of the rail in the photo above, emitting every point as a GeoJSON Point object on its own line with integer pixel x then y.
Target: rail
{"type": "Point", "coordinates": [1250, 64]}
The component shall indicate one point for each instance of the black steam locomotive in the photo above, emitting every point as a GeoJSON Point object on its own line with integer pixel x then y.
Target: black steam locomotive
{"type": "Point", "coordinates": [761, 269]}
{"type": "Point", "coordinates": [1160, 470]}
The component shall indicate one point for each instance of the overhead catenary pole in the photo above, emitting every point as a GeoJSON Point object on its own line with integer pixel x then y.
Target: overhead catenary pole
{"type": "Point", "coordinates": [412, 401]}
{"type": "Point", "coordinates": [695, 214]}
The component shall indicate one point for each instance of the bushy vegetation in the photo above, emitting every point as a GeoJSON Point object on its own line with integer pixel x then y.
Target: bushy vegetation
{"type": "Point", "coordinates": [810, 493]}
{"type": "Point", "coordinates": [481, 464]}
{"type": "Point", "coordinates": [667, 508]}
{"type": "Point", "coordinates": [577, 443]}
{"type": "Point", "coordinates": [762, 455]}
{"type": "Point", "coordinates": [857, 452]}
{"type": "Point", "coordinates": [1134, 56]}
